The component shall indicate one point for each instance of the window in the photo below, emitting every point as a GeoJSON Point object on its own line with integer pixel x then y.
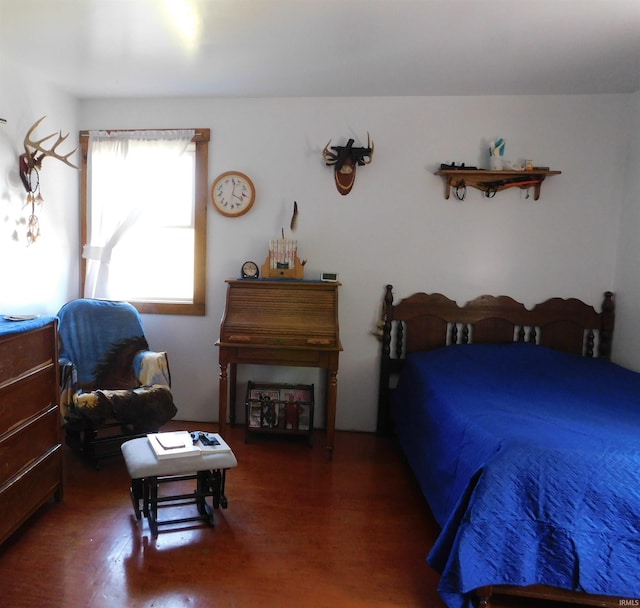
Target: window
{"type": "Point", "coordinates": [144, 196]}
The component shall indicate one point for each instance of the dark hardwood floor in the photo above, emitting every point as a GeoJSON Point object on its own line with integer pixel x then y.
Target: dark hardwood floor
{"type": "Point", "coordinates": [299, 531]}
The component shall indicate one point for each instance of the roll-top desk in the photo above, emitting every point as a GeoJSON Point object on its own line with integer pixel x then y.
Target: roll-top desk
{"type": "Point", "coordinates": [30, 448]}
{"type": "Point", "coordinates": [279, 322]}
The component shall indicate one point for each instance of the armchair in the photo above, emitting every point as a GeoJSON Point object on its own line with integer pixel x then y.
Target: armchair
{"type": "Point", "coordinates": [112, 387]}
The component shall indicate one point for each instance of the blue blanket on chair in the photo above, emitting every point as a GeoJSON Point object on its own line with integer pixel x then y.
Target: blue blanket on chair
{"type": "Point", "coordinates": [89, 331]}
{"type": "Point", "coordinates": [530, 461]}
{"type": "Point", "coordinates": [107, 370]}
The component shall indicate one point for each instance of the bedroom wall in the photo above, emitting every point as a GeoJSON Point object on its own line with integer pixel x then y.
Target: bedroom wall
{"type": "Point", "coordinates": [40, 278]}
{"type": "Point", "coordinates": [395, 226]}
{"type": "Point", "coordinates": [626, 346]}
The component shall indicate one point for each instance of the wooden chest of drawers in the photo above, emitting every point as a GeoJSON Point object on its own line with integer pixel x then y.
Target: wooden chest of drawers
{"type": "Point", "coordinates": [30, 448]}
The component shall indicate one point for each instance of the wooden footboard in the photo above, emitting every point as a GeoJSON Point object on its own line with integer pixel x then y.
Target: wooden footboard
{"type": "Point", "coordinates": [486, 597]}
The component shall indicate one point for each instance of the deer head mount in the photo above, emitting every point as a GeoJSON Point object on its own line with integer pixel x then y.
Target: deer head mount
{"type": "Point", "coordinates": [344, 160]}
{"type": "Point", "coordinates": [29, 166]}
{"type": "Point", "coordinates": [35, 153]}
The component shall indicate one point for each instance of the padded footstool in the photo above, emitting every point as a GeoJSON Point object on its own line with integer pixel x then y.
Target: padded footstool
{"type": "Point", "coordinates": [148, 473]}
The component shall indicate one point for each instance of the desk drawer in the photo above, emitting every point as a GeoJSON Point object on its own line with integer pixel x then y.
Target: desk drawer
{"type": "Point", "coordinates": [280, 356]}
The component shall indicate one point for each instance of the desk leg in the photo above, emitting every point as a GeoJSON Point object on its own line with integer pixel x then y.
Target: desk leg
{"type": "Point", "coordinates": [222, 400]}
{"type": "Point", "coordinates": [233, 376]}
{"type": "Point", "coordinates": [332, 395]}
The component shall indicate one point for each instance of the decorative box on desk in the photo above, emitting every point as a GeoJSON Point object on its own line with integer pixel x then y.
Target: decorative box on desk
{"type": "Point", "coordinates": [281, 409]}
{"type": "Point", "coordinates": [279, 322]}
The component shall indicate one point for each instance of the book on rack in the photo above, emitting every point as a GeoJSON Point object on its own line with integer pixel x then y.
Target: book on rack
{"type": "Point", "coordinates": [178, 444]}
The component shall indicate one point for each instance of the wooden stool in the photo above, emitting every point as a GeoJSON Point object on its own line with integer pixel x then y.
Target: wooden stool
{"type": "Point", "coordinates": [148, 473]}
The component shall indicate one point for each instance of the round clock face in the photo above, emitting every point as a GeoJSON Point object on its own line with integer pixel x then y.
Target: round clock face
{"type": "Point", "coordinates": [250, 270]}
{"type": "Point", "coordinates": [232, 193]}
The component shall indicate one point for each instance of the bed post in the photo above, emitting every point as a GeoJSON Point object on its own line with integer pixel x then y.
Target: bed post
{"type": "Point", "coordinates": [607, 322]}
{"type": "Point", "coordinates": [384, 422]}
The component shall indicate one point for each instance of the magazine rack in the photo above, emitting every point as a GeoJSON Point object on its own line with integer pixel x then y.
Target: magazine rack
{"type": "Point", "coordinates": [279, 409]}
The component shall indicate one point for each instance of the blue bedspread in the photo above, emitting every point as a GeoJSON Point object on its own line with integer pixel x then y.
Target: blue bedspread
{"type": "Point", "coordinates": [530, 461]}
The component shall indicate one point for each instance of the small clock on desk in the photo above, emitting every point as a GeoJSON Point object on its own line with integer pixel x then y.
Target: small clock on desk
{"type": "Point", "coordinates": [250, 270]}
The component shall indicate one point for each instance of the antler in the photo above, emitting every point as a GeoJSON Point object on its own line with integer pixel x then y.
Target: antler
{"type": "Point", "coordinates": [329, 157]}
{"type": "Point", "coordinates": [36, 161]}
{"type": "Point", "coordinates": [370, 146]}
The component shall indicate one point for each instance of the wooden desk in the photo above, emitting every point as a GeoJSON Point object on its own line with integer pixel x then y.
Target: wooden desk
{"type": "Point", "coordinates": [279, 322]}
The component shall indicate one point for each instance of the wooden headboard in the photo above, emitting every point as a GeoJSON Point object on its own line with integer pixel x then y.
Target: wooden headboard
{"type": "Point", "coordinates": [426, 321]}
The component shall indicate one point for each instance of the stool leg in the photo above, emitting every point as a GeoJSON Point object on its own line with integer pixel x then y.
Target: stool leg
{"type": "Point", "coordinates": [145, 497]}
{"type": "Point", "coordinates": [202, 491]}
{"type": "Point", "coordinates": [152, 508]}
{"type": "Point", "coordinates": [223, 498]}
{"type": "Point", "coordinates": [136, 496]}
{"type": "Point", "coordinates": [218, 479]}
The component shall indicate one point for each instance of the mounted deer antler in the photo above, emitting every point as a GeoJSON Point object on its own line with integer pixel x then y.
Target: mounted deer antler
{"type": "Point", "coordinates": [29, 165]}
{"type": "Point", "coordinates": [34, 154]}
{"type": "Point", "coordinates": [344, 160]}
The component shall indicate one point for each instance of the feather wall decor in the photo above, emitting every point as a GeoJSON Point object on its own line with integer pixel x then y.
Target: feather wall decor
{"type": "Point", "coordinates": [294, 217]}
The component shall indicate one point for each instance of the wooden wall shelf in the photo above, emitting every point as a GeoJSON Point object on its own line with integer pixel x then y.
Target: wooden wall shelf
{"type": "Point", "coordinates": [491, 182]}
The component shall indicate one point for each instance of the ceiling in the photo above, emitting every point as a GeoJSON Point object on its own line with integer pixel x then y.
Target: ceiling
{"type": "Point", "coordinates": [284, 48]}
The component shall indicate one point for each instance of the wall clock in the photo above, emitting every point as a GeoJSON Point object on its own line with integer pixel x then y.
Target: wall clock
{"type": "Point", "coordinates": [232, 193]}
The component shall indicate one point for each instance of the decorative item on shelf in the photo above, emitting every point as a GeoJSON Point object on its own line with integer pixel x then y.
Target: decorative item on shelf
{"type": "Point", "coordinates": [496, 153]}
{"type": "Point", "coordinates": [30, 165]}
{"type": "Point", "coordinates": [232, 193]}
{"type": "Point", "coordinates": [344, 160]}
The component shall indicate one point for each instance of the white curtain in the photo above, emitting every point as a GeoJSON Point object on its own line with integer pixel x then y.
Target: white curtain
{"type": "Point", "coordinates": [120, 170]}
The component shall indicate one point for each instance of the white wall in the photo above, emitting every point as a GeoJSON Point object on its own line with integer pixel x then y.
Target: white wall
{"type": "Point", "coordinates": [39, 278]}
{"type": "Point", "coordinates": [626, 345]}
{"type": "Point", "coordinates": [395, 226]}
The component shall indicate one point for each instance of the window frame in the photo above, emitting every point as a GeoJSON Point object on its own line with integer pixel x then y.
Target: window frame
{"type": "Point", "coordinates": [201, 139]}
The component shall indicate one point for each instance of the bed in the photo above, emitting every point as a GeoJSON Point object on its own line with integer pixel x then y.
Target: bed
{"type": "Point", "coordinates": [525, 440]}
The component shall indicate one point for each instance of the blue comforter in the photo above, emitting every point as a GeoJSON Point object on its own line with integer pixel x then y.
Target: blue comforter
{"type": "Point", "coordinates": [530, 461]}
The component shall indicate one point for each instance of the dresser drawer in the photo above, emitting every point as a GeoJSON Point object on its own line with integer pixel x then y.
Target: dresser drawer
{"type": "Point", "coordinates": [26, 397]}
{"type": "Point", "coordinates": [22, 352]}
{"type": "Point", "coordinates": [23, 494]}
{"type": "Point", "coordinates": [28, 443]}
